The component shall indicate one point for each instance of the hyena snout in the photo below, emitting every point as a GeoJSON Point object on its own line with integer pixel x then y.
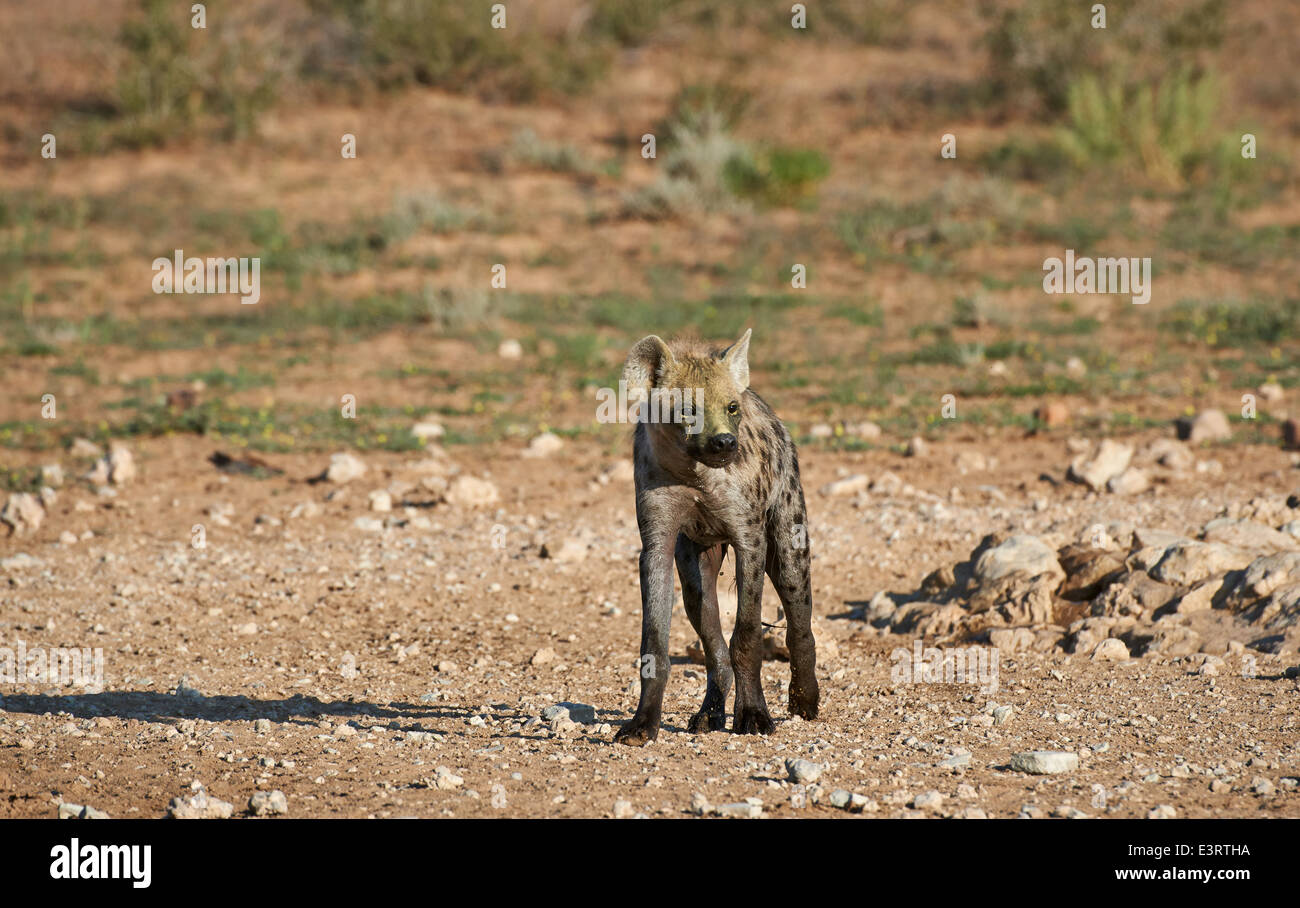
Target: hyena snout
{"type": "Point", "coordinates": [722, 444]}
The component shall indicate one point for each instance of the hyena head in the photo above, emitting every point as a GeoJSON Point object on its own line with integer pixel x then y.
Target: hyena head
{"type": "Point", "coordinates": [693, 398]}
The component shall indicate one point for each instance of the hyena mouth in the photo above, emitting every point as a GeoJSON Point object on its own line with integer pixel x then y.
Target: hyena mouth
{"type": "Point", "coordinates": [715, 461]}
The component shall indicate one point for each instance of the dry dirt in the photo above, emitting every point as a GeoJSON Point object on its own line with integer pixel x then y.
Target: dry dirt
{"type": "Point", "coordinates": [353, 642]}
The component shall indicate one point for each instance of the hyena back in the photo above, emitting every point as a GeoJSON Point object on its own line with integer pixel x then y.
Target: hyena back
{"type": "Point", "coordinates": [722, 473]}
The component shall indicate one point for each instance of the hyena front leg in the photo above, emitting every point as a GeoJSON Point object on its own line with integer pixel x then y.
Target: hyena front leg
{"type": "Point", "coordinates": [751, 715]}
{"type": "Point", "coordinates": [656, 611]}
{"type": "Point", "coordinates": [698, 567]}
{"type": "Point", "coordinates": [788, 568]}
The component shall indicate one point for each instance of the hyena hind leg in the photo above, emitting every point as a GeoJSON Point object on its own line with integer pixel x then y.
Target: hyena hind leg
{"type": "Point", "coordinates": [788, 569]}
{"type": "Point", "coordinates": [698, 568]}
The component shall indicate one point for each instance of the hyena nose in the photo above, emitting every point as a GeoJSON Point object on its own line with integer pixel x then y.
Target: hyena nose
{"type": "Point", "coordinates": [722, 444]}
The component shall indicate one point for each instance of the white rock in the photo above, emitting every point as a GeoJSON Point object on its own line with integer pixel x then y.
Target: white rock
{"type": "Point", "coordinates": [849, 485]}
{"type": "Point", "coordinates": [1186, 563]}
{"type": "Point", "coordinates": [23, 512]}
{"type": "Point", "coordinates": [428, 431]}
{"type": "Point", "coordinates": [1020, 553]}
{"type": "Point", "coordinates": [544, 445]}
{"type": "Point", "coordinates": [470, 491]}
{"type": "Point", "coordinates": [1209, 425]}
{"type": "Point", "coordinates": [345, 467]}
{"type": "Point", "coordinates": [804, 772]}
{"type": "Point", "coordinates": [1108, 460]}
{"type": "Point", "coordinates": [1110, 650]}
{"type": "Point", "coordinates": [121, 464]}
{"type": "Point", "coordinates": [1132, 481]}
{"type": "Point", "coordinates": [1045, 762]}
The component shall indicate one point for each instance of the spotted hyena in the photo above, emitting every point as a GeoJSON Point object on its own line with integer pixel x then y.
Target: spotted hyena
{"type": "Point", "coordinates": [721, 472]}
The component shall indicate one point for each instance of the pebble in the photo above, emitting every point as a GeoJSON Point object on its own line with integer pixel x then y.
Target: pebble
{"type": "Point", "coordinates": [267, 803]}
{"type": "Point", "coordinates": [1045, 762]}
{"type": "Point", "coordinates": [804, 772]}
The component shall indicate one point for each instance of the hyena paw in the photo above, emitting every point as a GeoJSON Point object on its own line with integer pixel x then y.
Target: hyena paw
{"type": "Point", "coordinates": [804, 701]}
{"type": "Point", "coordinates": [637, 733]}
{"type": "Point", "coordinates": [753, 720]}
{"type": "Point", "coordinates": [707, 720]}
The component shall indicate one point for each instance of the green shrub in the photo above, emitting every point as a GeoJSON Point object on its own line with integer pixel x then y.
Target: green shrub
{"type": "Point", "coordinates": [1043, 47]}
{"type": "Point", "coordinates": [777, 176]}
{"type": "Point", "coordinates": [1235, 324]}
{"type": "Point", "coordinates": [1164, 130]}
{"type": "Point", "coordinates": [176, 77]}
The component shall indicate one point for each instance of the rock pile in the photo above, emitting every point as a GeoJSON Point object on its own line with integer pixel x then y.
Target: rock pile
{"type": "Point", "coordinates": [1119, 591]}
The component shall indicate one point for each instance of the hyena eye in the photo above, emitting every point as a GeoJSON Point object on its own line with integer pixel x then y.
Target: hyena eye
{"type": "Point", "coordinates": [734, 407]}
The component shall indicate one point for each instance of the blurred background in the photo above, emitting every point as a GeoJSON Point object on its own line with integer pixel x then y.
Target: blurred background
{"type": "Point", "coordinates": [523, 147]}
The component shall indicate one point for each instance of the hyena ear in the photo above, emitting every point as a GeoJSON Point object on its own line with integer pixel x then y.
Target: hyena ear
{"type": "Point", "coordinates": [648, 360]}
{"type": "Point", "coordinates": [737, 359]}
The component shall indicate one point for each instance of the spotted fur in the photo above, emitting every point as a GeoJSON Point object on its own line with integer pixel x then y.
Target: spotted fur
{"type": "Point", "coordinates": [734, 483]}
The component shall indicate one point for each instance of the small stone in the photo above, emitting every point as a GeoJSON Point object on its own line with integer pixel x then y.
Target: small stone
{"type": "Point", "coordinates": [929, 800]}
{"type": "Point", "coordinates": [510, 349]}
{"type": "Point", "coordinates": [1003, 714]}
{"type": "Point", "coordinates": [83, 447]}
{"type": "Point", "coordinates": [200, 806]}
{"type": "Point", "coordinates": [1068, 812]}
{"type": "Point", "coordinates": [582, 713]}
{"type": "Point", "coordinates": [622, 809]}
{"type": "Point", "coordinates": [1162, 812]}
{"type": "Point", "coordinates": [1053, 414]}
{"type": "Point", "coordinates": [917, 447]}
{"type": "Point", "coordinates": [121, 464]}
{"type": "Point", "coordinates": [543, 656]}
{"type": "Point", "coordinates": [263, 726]}
{"type": "Point", "coordinates": [544, 445]}
{"type": "Point", "coordinates": [742, 810]}
{"type": "Point", "coordinates": [571, 551]}
{"type": "Point", "coordinates": [868, 430]}
{"type": "Point", "coordinates": [849, 485]}
{"type": "Point", "coordinates": [446, 780]}
{"type": "Point", "coordinates": [428, 431]}
{"type": "Point", "coordinates": [1045, 762]}
{"type": "Point", "coordinates": [23, 512]}
{"type": "Point", "coordinates": [1110, 650]}
{"type": "Point", "coordinates": [1108, 460]}
{"type": "Point", "coordinates": [1208, 425]}
{"type": "Point", "coordinates": [381, 500]}
{"type": "Point", "coordinates": [804, 772]}
{"type": "Point", "coordinates": [345, 467]}
{"type": "Point", "coordinates": [1132, 481]}
{"type": "Point", "coordinates": [469, 491]}
{"type": "Point", "coordinates": [70, 811]}
{"type": "Point", "coordinates": [268, 803]}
